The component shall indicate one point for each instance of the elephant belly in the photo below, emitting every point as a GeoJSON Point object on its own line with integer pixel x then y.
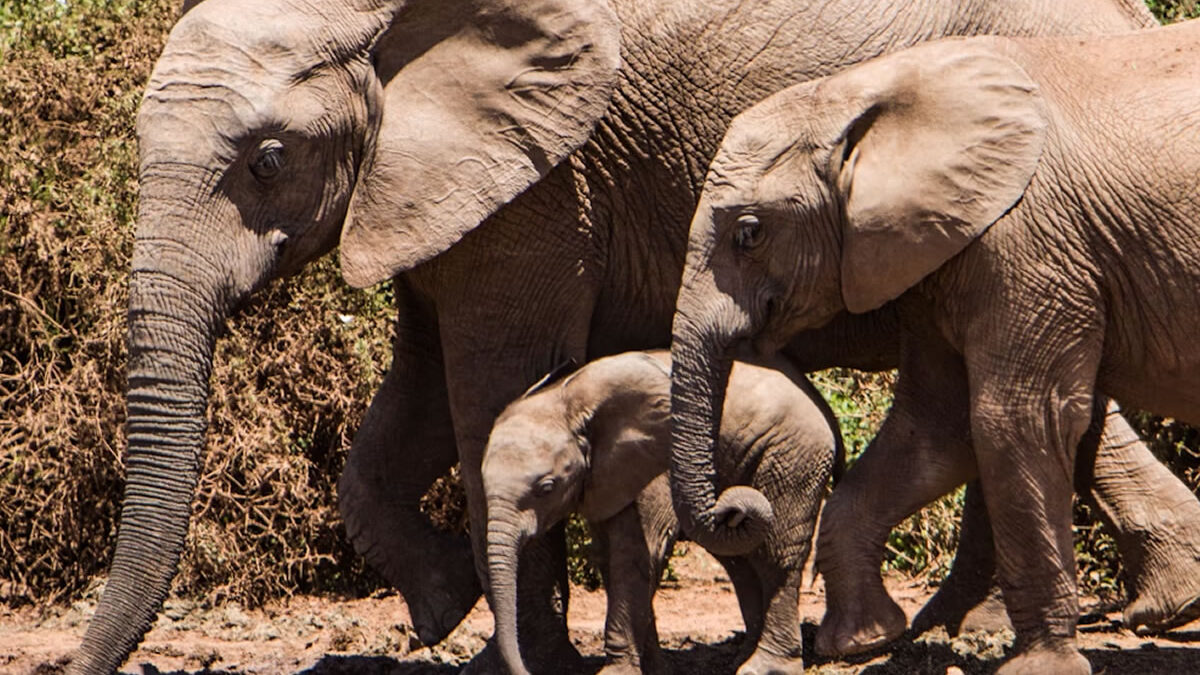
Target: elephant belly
{"type": "Point", "coordinates": [1171, 392]}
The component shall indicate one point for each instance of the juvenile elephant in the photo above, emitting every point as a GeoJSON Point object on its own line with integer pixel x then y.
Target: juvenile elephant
{"type": "Point", "coordinates": [524, 172]}
{"type": "Point", "coordinates": [1030, 207]}
{"type": "Point", "coordinates": [599, 442]}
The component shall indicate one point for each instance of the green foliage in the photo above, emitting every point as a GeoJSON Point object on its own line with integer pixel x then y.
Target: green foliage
{"type": "Point", "coordinates": [924, 543]}
{"type": "Point", "coordinates": [582, 566]}
{"type": "Point", "coordinates": [1169, 11]}
{"type": "Point", "coordinates": [859, 400]}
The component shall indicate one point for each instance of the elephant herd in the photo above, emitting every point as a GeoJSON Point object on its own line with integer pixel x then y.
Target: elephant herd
{"type": "Point", "coordinates": [1009, 221]}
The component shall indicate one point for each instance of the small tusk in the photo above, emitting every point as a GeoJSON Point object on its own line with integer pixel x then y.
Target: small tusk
{"type": "Point", "coordinates": [736, 519]}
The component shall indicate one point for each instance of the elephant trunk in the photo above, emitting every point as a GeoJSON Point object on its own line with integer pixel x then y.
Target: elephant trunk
{"type": "Point", "coordinates": [707, 324]}
{"type": "Point", "coordinates": [175, 307]}
{"type": "Point", "coordinates": [505, 537]}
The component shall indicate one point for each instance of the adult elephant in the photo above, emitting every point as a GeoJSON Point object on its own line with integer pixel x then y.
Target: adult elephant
{"type": "Point", "coordinates": [273, 130]}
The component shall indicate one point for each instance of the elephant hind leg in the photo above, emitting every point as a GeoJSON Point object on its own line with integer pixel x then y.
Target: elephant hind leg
{"type": "Point", "coordinates": [405, 443]}
{"type": "Point", "coordinates": [969, 596]}
{"type": "Point", "coordinates": [1154, 518]}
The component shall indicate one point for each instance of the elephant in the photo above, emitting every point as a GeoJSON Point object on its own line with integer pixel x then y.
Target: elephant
{"type": "Point", "coordinates": [523, 173]}
{"type": "Point", "coordinates": [1034, 231]}
{"type": "Point", "coordinates": [598, 442]}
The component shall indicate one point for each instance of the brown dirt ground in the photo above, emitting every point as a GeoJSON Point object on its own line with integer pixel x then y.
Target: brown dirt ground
{"type": "Point", "coordinates": [697, 617]}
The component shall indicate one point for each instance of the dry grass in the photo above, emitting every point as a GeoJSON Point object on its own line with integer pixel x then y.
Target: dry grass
{"type": "Point", "coordinates": [290, 381]}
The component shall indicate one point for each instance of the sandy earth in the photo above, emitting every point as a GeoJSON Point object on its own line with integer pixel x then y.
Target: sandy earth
{"type": "Point", "coordinates": [697, 617]}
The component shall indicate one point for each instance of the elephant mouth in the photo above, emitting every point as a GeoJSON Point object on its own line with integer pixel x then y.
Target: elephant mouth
{"type": "Point", "coordinates": [773, 335]}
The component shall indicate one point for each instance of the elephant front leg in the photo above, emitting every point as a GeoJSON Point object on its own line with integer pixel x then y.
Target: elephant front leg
{"type": "Point", "coordinates": [635, 544]}
{"type": "Point", "coordinates": [1152, 515]}
{"type": "Point", "coordinates": [405, 443]}
{"type": "Point", "coordinates": [749, 591]}
{"type": "Point", "coordinates": [1028, 415]}
{"type": "Point", "coordinates": [919, 454]}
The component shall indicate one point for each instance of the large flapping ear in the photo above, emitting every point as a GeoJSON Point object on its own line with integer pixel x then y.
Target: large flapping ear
{"type": "Point", "coordinates": [622, 403]}
{"type": "Point", "coordinates": [937, 143]}
{"type": "Point", "coordinates": [481, 99]}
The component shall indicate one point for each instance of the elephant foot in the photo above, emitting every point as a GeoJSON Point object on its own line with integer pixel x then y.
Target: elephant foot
{"type": "Point", "coordinates": [1164, 595]}
{"type": "Point", "coordinates": [1058, 656]}
{"type": "Point", "coordinates": [621, 668]}
{"type": "Point", "coordinates": [650, 662]}
{"type": "Point", "coordinates": [438, 610]}
{"type": "Point", "coordinates": [439, 595]}
{"type": "Point", "coordinates": [863, 622]}
{"type": "Point", "coordinates": [763, 663]}
{"type": "Point", "coordinates": [626, 667]}
{"type": "Point", "coordinates": [958, 611]}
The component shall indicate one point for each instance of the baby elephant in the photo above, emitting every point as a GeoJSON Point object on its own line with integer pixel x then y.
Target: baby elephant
{"type": "Point", "coordinates": [598, 442]}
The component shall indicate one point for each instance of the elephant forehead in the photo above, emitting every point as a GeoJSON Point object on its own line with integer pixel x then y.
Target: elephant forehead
{"type": "Point", "coordinates": [528, 440]}
{"type": "Point", "coordinates": [318, 32]}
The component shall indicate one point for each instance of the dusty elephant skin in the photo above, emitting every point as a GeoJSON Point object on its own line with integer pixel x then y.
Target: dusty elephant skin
{"type": "Point", "coordinates": [271, 131]}
{"type": "Point", "coordinates": [599, 442]}
{"type": "Point", "coordinates": [1030, 207]}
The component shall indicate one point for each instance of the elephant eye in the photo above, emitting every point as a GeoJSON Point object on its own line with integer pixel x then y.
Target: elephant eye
{"type": "Point", "coordinates": [545, 486]}
{"type": "Point", "coordinates": [268, 159]}
{"type": "Point", "coordinates": [747, 232]}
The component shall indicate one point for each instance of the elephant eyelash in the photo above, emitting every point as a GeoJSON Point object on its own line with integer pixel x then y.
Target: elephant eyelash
{"type": "Point", "coordinates": [268, 160]}
{"type": "Point", "coordinates": [747, 232]}
{"type": "Point", "coordinates": [545, 487]}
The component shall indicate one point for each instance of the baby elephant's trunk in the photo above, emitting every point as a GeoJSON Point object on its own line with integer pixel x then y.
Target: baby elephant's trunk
{"type": "Point", "coordinates": [505, 537]}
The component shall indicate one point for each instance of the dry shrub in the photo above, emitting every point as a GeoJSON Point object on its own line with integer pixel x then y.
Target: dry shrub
{"type": "Point", "coordinates": [290, 381]}
{"type": "Point", "coordinates": [66, 201]}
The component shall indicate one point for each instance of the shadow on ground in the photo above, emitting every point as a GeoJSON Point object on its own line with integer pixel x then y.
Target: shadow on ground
{"type": "Point", "coordinates": [932, 654]}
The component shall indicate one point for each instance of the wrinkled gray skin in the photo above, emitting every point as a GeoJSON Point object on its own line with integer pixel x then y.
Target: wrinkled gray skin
{"type": "Point", "coordinates": [1031, 204]}
{"type": "Point", "coordinates": [273, 130]}
{"type": "Point", "coordinates": [599, 443]}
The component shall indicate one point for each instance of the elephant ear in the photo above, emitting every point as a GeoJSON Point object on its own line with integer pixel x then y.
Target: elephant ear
{"type": "Point", "coordinates": [622, 404]}
{"type": "Point", "coordinates": [480, 100]}
{"type": "Point", "coordinates": [941, 142]}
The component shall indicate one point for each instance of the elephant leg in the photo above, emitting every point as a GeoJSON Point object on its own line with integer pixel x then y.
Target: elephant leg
{"type": "Point", "coordinates": [1154, 518]}
{"type": "Point", "coordinates": [778, 649]}
{"type": "Point", "coordinates": [969, 597]}
{"type": "Point", "coordinates": [636, 542]}
{"type": "Point", "coordinates": [405, 443]}
{"type": "Point", "coordinates": [491, 358]}
{"type": "Point", "coordinates": [919, 454]}
{"type": "Point", "coordinates": [542, 588]}
{"type": "Point", "coordinates": [1028, 415]}
{"type": "Point", "coordinates": [749, 592]}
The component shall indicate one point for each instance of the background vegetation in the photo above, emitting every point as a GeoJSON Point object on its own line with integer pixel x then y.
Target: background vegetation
{"type": "Point", "coordinates": [264, 521]}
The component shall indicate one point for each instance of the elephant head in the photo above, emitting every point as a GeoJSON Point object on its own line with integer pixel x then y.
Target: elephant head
{"type": "Point", "coordinates": [272, 130]}
{"type": "Point", "coordinates": [589, 443]}
{"type": "Point", "coordinates": [833, 195]}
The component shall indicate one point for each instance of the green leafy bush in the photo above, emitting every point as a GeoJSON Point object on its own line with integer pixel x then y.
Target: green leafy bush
{"type": "Point", "coordinates": [1168, 11]}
